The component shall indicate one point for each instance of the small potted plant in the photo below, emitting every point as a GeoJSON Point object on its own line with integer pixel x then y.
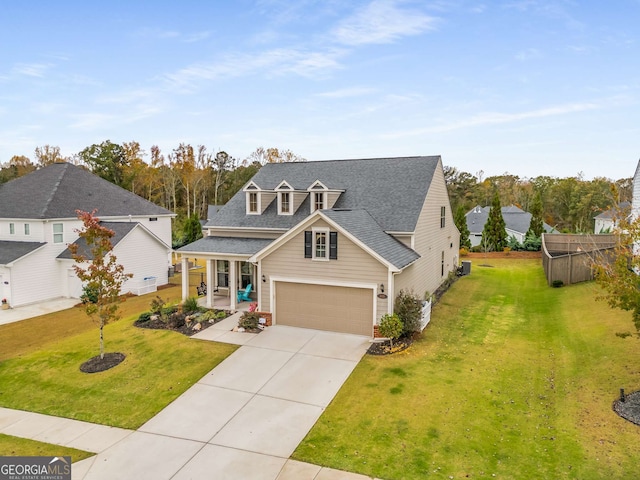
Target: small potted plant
{"type": "Point", "coordinates": [5, 305]}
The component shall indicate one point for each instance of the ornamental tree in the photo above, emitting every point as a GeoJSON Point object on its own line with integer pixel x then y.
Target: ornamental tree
{"type": "Point", "coordinates": [99, 271]}
{"type": "Point", "coordinates": [460, 220]}
{"type": "Point", "coordinates": [494, 234]}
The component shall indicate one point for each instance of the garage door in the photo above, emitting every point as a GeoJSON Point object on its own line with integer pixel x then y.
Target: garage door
{"type": "Point", "coordinates": [324, 307]}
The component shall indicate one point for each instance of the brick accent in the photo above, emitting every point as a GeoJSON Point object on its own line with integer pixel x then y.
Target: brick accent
{"type": "Point", "coordinates": [267, 316]}
{"type": "Point", "coordinates": [376, 332]}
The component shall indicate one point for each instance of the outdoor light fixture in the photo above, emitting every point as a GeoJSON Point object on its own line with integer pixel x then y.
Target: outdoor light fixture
{"type": "Point", "coordinates": [382, 287]}
{"type": "Point", "coordinates": [264, 279]}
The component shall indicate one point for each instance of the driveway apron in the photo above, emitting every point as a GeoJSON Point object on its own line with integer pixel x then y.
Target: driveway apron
{"type": "Point", "coordinates": [245, 417]}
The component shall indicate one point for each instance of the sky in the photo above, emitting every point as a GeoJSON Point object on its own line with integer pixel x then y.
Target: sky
{"type": "Point", "coordinates": [528, 87]}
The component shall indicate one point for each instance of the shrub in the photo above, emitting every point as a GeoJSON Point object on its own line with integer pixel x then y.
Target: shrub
{"type": "Point", "coordinates": [532, 243]}
{"type": "Point", "coordinates": [557, 283]}
{"type": "Point", "coordinates": [221, 314]}
{"type": "Point", "coordinates": [408, 307]}
{"type": "Point", "coordinates": [190, 305]}
{"type": "Point", "coordinates": [156, 305]}
{"type": "Point", "coordinates": [144, 317]}
{"type": "Point", "coordinates": [176, 320]}
{"type": "Point", "coordinates": [390, 326]}
{"type": "Point", "coordinates": [249, 321]}
{"type": "Point", "coordinates": [514, 244]}
{"type": "Point", "coordinates": [464, 252]}
{"type": "Point", "coordinates": [89, 295]}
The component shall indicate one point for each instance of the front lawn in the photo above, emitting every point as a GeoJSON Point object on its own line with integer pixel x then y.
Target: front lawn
{"type": "Point", "coordinates": [14, 446]}
{"type": "Point", "coordinates": [512, 379]}
{"type": "Point", "coordinates": [42, 374]}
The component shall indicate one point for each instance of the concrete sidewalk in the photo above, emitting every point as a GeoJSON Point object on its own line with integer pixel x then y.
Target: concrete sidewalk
{"type": "Point", "coordinates": [243, 419]}
{"type": "Point", "coordinates": [36, 309]}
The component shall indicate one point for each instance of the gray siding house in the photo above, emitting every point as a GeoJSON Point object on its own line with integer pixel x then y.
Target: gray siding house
{"type": "Point", "coordinates": [329, 244]}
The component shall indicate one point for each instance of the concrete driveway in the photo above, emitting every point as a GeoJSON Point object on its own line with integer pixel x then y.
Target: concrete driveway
{"type": "Point", "coordinates": [245, 417]}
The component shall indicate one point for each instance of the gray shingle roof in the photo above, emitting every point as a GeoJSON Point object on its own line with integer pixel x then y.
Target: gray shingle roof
{"type": "Point", "coordinates": [392, 190]}
{"type": "Point", "coordinates": [58, 190]}
{"type": "Point", "coordinates": [361, 225]}
{"type": "Point", "coordinates": [514, 217]}
{"type": "Point", "coordinates": [227, 245]}
{"type": "Point", "coordinates": [624, 207]}
{"type": "Point", "coordinates": [120, 229]}
{"type": "Point", "coordinates": [12, 251]}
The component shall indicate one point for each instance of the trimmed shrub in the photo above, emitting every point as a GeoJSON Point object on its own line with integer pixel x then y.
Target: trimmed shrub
{"type": "Point", "coordinates": [190, 305]}
{"type": "Point", "coordinates": [249, 321]}
{"type": "Point", "coordinates": [408, 306]}
{"type": "Point", "coordinates": [144, 317]}
{"type": "Point", "coordinates": [390, 326]}
{"type": "Point", "coordinates": [557, 283]}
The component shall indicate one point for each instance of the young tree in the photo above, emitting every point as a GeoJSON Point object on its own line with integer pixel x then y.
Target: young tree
{"type": "Point", "coordinates": [494, 235]}
{"type": "Point", "coordinates": [99, 271]}
{"type": "Point", "coordinates": [461, 222]}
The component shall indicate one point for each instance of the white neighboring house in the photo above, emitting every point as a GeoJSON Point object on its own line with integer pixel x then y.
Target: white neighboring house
{"type": "Point", "coordinates": [606, 221]}
{"type": "Point", "coordinates": [38, 221]}
{"type": "Point", "coordinates": [516, 222]}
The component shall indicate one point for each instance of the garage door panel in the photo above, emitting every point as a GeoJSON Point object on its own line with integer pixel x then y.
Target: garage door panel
{"type": "Point", "coordinates": [324, 307]}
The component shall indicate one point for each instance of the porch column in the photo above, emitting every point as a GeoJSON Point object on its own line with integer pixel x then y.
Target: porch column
{"type": "Point", "coordinates": [233, 285]}
{"type": "Point", "coordinates": [210, 266]}
{"type": "Point", "coordinates": [185, 278]}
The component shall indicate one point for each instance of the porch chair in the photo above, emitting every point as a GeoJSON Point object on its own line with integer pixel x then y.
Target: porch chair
{"type": "Point", "coordinates": [244, 296]}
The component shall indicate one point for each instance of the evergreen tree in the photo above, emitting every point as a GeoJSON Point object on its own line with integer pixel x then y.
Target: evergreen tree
{"type": "Point", "coordinates": [192, 229]}
{"type": "Point", "coordinates": [536, 227]}
{"type": "Point", "coordinates": [461, 222]}
{"type": "Point", "coordinates": [494, 235]}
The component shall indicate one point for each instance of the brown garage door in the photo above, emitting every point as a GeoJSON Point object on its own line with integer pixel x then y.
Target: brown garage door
{"type": "Point", "coordinates": [323, 307]}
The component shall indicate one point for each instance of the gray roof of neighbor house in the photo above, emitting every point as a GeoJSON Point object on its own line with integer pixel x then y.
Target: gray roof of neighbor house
{"type": "Point", "coordinates": [623, 207]}
{"type": "Point", "coordinates": [392, 190]}
{"type": "Point", "coordinates": [12, 251]}
{"type": "Point", "coordinates": [227, 245]}
{"type": "Point", "coordinates": [361, 225]}
{"type": "Point", "coordinates": [58, 190]}
{"type": "Point", "coordinates": [514, 217]}
{"type": "Point", "coordinates": [120, 230]}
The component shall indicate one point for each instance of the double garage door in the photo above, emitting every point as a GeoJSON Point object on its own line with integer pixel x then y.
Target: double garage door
{"type": "Point", "coordinates": [324, 307]}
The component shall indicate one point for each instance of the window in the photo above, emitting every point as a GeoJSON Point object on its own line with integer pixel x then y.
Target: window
{"type": "Point", "coordinates": [58, 233]}
{"type": "Point", "coordinates": [443, 211]}
{"type": "Point", "coordinates": [253, 202]}
{"type": "Point", "coordinates": [284, 202]}
{"type": "Point", "coordinates": [27, 229]}
{"type": "Point", "coordinates": [223, 273]}
{"type": "Point", "coordinates": [246, 274]}
{"type": "Point", "coordinates": [153, 219]}
{"type": "Point", "coordinates": [12, 229]}
{"type": "Point", "coordinates": [315, 244]}
{"type": "Point", "coordinates": [318, 200]}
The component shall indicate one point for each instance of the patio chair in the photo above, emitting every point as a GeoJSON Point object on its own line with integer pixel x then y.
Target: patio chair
{"type": "Point", "coordinates": [243, 296]}
{"type": "Point", "coordinates": [202, 289]}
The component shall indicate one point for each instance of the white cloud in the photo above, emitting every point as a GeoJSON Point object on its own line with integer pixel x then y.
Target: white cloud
{"type": "Point", "coordinates": [528, 54]}
{"type": "Point", "coordinates": [31, 69]}
{"type": "Point", "coordinates": [347, 92]}
{"type": "Point", "coordinates": [382, 21]}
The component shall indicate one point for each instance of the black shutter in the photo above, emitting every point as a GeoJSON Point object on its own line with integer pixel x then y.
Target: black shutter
{"type": "Point", "coordinates": [308, 244]}
{"type": "Point", "coordinates": [333, 245]}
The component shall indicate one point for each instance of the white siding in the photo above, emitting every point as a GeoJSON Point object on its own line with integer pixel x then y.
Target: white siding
{"type": "Point", "coordinates": [353, 267]}
{"type": "Point", "coordinates": [36, 277]}
{"type": "Point", "coordinates": [425, 275]}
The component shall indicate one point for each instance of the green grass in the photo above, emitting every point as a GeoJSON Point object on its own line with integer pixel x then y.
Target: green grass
{"type": "Point", "coordinates": [511, 378]}
{"type": "Point", "coordinates": [42, 374]}
{"type": "Point", "coordinates": [14, 446]}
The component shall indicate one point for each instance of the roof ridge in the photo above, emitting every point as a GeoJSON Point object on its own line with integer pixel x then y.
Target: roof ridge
{"type": "Point", "coordinates": [356, 159]}
{"type": "Point", "coordinates": [55, 189]}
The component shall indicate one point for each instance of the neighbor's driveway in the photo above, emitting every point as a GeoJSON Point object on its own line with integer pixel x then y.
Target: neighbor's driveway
{"type": "Point", "coordinates": [243, 419]}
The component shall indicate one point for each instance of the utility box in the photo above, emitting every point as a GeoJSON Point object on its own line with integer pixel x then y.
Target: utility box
{"type": "Point", "coordinates": [466, 267]}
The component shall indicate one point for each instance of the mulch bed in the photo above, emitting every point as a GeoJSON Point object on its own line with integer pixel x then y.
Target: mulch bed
{"type": "Point", "coordinates": [97, 364]}
{"type": "Point", "coordinates": [185, 329]}
{"type": "Point", "coordinates": [630, 408]}
{"type": "Point", "coordinates": [385, 348]}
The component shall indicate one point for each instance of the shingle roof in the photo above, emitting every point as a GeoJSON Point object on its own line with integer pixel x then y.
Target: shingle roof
{"type": "Point", "coordinates": [227, 245]}
{"type": "Point", "coordinates": [515, 219]}
{"type": "Point", "coordinates": [361, 225]}
{"type": "Point", "coordinates": [12, 251]}
{"type": "Point", "coordinates": [120, 229]}
{"type": "Point", "coordinates": [58, 190]}
{"type": "Point", "coordinates": [624, 207]}
{"type": "Point", "coordinates": [392, 190]}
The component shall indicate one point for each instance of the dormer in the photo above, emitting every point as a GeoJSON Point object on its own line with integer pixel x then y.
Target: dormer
{"type": "Point", "coordinates": [322, 197]}
{"type": "Point", "coordinates": [289, 199]}
{"type": "Point", "coordinates": [257, 200]}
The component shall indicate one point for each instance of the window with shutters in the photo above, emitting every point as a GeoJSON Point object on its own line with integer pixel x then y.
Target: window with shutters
{"type": "Point", "coordinates": [443, 211]}
{"type": "Point", "coordinates": [321, 244]}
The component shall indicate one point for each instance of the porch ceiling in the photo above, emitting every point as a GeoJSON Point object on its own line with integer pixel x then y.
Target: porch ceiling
{"type": "Point", "coordinates": [226, 246]}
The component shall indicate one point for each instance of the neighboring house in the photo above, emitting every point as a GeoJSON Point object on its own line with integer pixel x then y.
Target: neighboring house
{"type": "Point", "coordinates": [606, 221]}
{"type": "Point", "coordinates": [328, 245]}
{"type": "Point", "coordinates": [38, 220]}
{"type": "Point", "coordinates": [516, 222]}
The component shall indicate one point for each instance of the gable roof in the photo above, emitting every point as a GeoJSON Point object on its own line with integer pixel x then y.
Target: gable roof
{"type": "Point", "coordinates": [120, 229]}
{"type": "Point", "coordinates": [363, 227]}
{"type": "Point", "coordinates": [624, 207]}
{"type": "Point", "coordinates": [392, 190]}
{"type": "Point", "coordinates": [58, 190]}
{"type": "Point", "coordinates": [515, 219]}
{"type": "Point", "coordinates": [227, 245]}
{"type": "Point", "coordinates": [11, 251]}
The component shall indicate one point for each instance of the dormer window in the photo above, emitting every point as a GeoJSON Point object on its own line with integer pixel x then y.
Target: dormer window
{"type": "Point", "coordinates": [318, 201]}
{"type": "Point", "coordinates": [253, 202]}
{"type": "Point", "coordinates": [285, 202]}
